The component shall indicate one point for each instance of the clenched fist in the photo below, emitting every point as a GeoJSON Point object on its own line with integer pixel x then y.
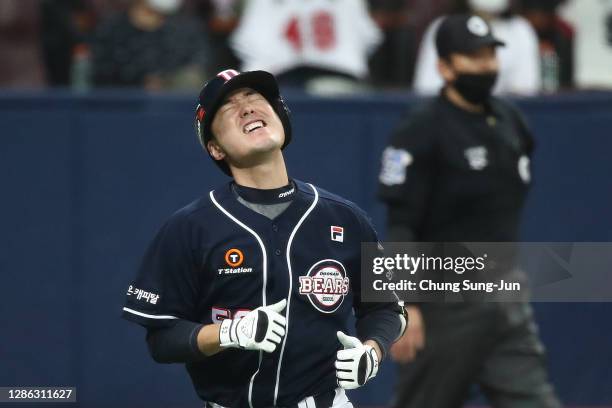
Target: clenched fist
{"type": "Point", "coordinates": [356, 364]}
{"type": "Point", "coordinates": [261, 329]}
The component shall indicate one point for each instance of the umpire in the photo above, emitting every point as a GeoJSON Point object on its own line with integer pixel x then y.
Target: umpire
{"type": "Point", "coordinates": [457, 170]}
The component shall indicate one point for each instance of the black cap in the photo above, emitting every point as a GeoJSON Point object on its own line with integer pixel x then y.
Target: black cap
{"type": "Point", "coordinates": [463, 34]}
{"type": "Point", "coordinates": [215, 91]}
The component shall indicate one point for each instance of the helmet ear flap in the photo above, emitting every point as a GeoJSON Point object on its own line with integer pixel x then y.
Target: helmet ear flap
{"type": "Point", "coordinates": [284, 106]}
{"type": "Point", "coordinates": [283, 112]}
{"type": "Point", "coordinates": [197, 124]}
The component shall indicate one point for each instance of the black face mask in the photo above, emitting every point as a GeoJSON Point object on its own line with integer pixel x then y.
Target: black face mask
{"type": "Point", "coordinates": [475, 88]}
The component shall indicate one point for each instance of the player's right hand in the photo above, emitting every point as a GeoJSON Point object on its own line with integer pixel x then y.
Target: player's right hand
{"type": "Point", "coordinates": [261, 329]}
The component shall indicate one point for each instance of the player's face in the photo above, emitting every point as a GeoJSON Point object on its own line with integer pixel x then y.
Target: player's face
{"type": "Point", "coordinates": [481, 61]}
{"type": "Point", "coordinates": [246, 127]}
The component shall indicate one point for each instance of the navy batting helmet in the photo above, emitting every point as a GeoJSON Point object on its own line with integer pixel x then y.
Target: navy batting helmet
{"type": "Point", "coordinates": [216, 89]}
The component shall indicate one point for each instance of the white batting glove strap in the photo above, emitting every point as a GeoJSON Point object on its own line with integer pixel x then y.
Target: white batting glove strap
{"type": "Point", "coordinates": [261, 329]}
{"type": "Point", "coordinates": [356, 364]}
{"type": "Point", "coordinates": [403, 320]}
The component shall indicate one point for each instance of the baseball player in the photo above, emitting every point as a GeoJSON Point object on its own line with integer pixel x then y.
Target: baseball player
{"type": "Point", "coordinates": [251, 285]}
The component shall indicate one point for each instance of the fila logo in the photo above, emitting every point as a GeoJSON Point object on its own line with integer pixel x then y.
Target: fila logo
{"type": "Point", "coordinates": [337, 233]}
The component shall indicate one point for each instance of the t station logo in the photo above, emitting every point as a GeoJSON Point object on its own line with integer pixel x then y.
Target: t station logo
{"type": "Point", "coordinates": [234, 259]}
{"type": "Point", "coordinates": [326, 284]}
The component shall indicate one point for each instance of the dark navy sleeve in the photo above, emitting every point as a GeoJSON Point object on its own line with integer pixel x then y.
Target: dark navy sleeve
{"type": "Point", "coordinates": [166, 287]}
{"type": "Point", "coordinates": [406, 177]}
{"type": "Point", "coordinates": [176, 344]}
{"type": "Point", "coordinates": [527, 139]}
{"type": "Point", "coordinates": [375, 321]}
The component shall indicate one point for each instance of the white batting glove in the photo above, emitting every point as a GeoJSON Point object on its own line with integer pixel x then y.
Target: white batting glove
{"type": "Point", "coordinates": [261, 329]}
{"type": "Point", "coordinates": [356, 364]}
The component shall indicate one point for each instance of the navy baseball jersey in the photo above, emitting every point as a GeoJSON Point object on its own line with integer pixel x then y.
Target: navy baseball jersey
{"type": "Point", "coordinates": [216, 258]}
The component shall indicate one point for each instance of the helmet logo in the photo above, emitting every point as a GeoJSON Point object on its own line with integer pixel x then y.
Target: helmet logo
{"type": "Point", "coordinates": [200, 113]}
{"type": "Point", "coordinates": [227, 74]}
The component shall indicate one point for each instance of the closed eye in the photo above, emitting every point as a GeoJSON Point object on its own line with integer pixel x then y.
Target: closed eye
{"type": "Point", "coordinates": [253, 95]}
{"type": "Point", "coordinates": [226, 106]}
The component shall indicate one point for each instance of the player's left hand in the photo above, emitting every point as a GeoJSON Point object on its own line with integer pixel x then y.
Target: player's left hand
{"type": "Point", "coordinates": [356, 364]}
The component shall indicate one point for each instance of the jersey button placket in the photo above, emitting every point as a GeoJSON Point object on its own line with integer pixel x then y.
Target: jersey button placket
{"type": "Point", "coordinates": [277, 251]}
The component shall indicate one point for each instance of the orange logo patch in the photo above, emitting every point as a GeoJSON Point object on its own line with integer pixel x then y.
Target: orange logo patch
{"type": "Point", "coordinates": [234, 257]}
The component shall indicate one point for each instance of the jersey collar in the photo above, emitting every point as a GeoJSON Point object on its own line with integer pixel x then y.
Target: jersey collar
{"type": "Point", "coordinates": [303, 196]}
{"type": "Point", "coordinates": [272, 196]}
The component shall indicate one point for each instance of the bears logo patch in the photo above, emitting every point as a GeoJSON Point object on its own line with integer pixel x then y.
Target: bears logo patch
{"type": "Point", "coordinates": [325, 285]}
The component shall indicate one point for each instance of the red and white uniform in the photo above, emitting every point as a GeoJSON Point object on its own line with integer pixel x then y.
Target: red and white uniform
{"type": "Point", "coordinates": [278, 35]}
{"type": "Point", "coordinates": [592, 21]}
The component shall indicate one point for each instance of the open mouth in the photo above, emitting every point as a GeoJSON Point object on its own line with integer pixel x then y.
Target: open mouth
{"type": "Point", "coordinates": [253, 126]}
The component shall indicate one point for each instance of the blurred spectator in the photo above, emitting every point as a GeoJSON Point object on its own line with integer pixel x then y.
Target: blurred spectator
{"type": "Point", "coordinates": [63, 25]}
{"type": "Point", "coordinates": [150, 46]}
{"type": "Point", "coordinates": [519, 60]}
{"type": "Point", "coordinates": [592, 21]}
{"type": "Point", "coordinates": [556, 41]}
{"type": "Point", "coordinates": [402, 23]}
{"type": "Point", "coordinates": [221, 18]}
{"type": "Point", "coordinates": [321, 45]}
{"type": "Point", "coordinates": [19, 51]}
{"type": "Point", "coordinates": [391, 64]}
